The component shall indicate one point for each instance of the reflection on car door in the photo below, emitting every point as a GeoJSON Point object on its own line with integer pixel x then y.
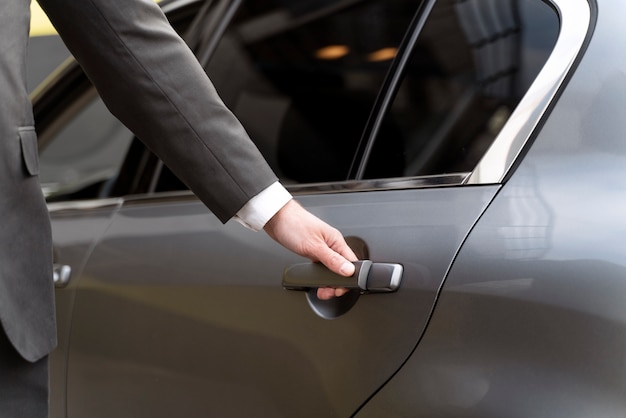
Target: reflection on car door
{"type": "Point", "coordinates": [175, 310]}
{"type": "Point", "coordinates": [75, 231]}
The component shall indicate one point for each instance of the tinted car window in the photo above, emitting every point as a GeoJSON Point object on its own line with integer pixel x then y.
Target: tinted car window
{"type": "Point", "coordinates": [85, 152]}
{"type": "Point", "coordinates": [473, 62]}
{"type": "Point", "coordinates": [302, 76]}
{"type": "Point", "coordinates": [84, 157]}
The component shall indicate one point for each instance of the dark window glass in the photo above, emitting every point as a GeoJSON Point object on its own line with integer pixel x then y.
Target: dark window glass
{"type": "Point", "coordinates": [85, 152]}
{"type": "Point", "coordinates": [83, 158]}
{"type": "Point", "coordinates": [302, 76]}
{"type": "Point", "coordinates": [473, 62]}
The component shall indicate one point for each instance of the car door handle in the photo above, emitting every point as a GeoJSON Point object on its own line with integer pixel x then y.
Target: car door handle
{"type": "Point", "coordinates": [61, 274]}
{"type": "Point", "coordinates": [368, 277]}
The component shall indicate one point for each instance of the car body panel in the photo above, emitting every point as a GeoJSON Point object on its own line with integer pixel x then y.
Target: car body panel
{"type": "Point", "coordinates": [225, 329]}
{"type": "Point", "coordinates": [76, 229]}
{"type": "Point", "coordinates": [531, 320]}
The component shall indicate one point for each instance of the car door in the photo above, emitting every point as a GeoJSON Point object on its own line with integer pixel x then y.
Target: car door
{"type": "Point", "coordinates": [376, 121]}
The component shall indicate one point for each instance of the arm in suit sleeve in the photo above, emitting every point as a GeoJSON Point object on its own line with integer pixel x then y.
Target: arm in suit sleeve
{"type": "Point", "coordinates": [261, 208]}
{"type": "Point", "coordinates": [151, 81]}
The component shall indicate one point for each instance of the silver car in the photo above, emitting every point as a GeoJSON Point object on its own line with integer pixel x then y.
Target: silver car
{"type": "Point", "coordinates": [476, 145]}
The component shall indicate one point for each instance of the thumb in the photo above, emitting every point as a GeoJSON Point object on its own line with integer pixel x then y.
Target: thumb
{"type": "Point", "coordinates": [336, 262]}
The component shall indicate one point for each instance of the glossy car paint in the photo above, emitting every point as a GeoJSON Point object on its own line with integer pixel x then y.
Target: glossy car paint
{"type": "Point", "coordinates": [517, 282]}
{"type": "Point", "coordinates": [531, 320]}
{"type": "Point", "coordinates": [175, 307]}
{"type": "Point", "coordinates": [76, 229]}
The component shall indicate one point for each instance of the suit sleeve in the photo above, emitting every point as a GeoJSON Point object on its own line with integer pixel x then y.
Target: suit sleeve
{"type": "Point", "coordinates": [152, 82]}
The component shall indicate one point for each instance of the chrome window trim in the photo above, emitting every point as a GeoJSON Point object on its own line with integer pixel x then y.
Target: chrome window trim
{"type": "Point", "coordinates": [349, 186]}
{"type": "Point", "coordinates": [397, 183]}
{"type": "Point", "coordinates": [494, 166]}
{"type": "Point", "coordinates": [89, 204]}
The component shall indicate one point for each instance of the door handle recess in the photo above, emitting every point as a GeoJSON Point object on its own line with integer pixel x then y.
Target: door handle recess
{"type": "Point", "coordinates": [368, 277]}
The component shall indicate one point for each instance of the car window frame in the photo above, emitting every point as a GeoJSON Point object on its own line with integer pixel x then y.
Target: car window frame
{"type": "Point", "coordinates": [501, 156]}
{"type": "Point", "coordinates": [495, 166]}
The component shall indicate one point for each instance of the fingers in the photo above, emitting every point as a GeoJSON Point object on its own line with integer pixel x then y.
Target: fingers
{"type": "Point", "coordinates": [335, 261]}
{"type": "Point", "coordinates": [335, 253]}
{"type": "Point", "coordinates": [346, 252]}
{"type": "Point", "coordinates": [305, 234]}
{"type": "Point", "coordinates": [339, 264]}
{"type": "Point", "coordinates": [327, 293]}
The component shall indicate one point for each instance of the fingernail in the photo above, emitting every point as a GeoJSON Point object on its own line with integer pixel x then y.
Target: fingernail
{"type": "Point", "coordinates": [347, 269]}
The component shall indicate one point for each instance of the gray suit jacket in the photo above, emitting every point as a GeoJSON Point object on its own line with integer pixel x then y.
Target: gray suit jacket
{"type": "Point", "coordinates": [152, 82]}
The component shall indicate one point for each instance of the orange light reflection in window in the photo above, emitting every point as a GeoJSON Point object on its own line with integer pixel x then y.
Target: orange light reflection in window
{"type": "Point", "coordinates": [383, 54]}
{"type": "Point", "coordinates": [332, 52]}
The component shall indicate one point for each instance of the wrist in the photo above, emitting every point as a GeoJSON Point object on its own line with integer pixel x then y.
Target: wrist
{"type": "Point", "coordinates": [261, 208]}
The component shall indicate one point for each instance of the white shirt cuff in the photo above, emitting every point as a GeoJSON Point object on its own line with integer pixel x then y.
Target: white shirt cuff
{"type": "Point", "coordinates": [262, 207]}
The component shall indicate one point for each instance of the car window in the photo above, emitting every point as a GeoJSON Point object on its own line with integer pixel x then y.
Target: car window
{"type": "Point", "coordinates": [84, 151]}
{"type": "Point", "coordinates": [302, 77]}
{"type": "Point", "coordinates": [472, 63]}
{"type": "Point", "coordinates": [85, 155]}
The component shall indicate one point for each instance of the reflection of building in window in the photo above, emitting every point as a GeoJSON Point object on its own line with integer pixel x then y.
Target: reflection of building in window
{"type": "Point", "coordinates": [472, 63]}
{"type": "Point", "coordinates": [492, 29]}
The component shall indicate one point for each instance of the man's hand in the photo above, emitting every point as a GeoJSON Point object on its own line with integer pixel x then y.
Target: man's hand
{"type": "Point", "coordinates": [303, 233]}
